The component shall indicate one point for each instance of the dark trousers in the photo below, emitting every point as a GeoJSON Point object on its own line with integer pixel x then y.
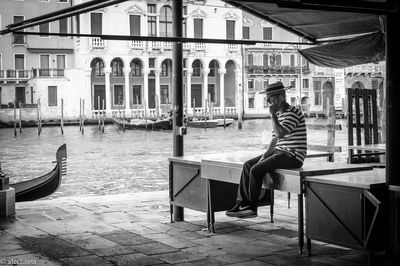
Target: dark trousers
{"type": "Point", "coordinates": [253, 172]}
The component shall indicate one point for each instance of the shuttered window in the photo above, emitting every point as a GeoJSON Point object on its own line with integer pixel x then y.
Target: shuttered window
{"type": "Point", "coordinates": [198, 28]}
{"type": "Point", "coordinates": [44, 28]}
{"type": "Point", "coordinates": [267, 33]}
{"type": "Point", "coordinates": [265, 60]}
{"type": "Point", "coordinates": [246, 33]}
{"type": "Point", "coordinates": [63, 25]}
{"type": "Point", "coordinates": [166, 21]}
{"type": "Point", "coordinates": [96, 23]}
{"type": "Point", "coordinates": [134, 22]}
{"type": "Point", "coordinates": [230, 29]}
{"type": "Point", "coordinates": [52, 95]}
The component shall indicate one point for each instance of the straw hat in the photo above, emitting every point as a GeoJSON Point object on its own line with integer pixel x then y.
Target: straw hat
{"type": "Point", "coordinates": [275, 88]}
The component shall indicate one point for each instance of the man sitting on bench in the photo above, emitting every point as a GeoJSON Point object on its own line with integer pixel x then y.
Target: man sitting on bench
{"type": "Point", "coordinates": [287, 149]}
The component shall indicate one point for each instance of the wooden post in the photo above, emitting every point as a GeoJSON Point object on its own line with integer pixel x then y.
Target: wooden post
{"type": "Point", "coordinates": [104, 115]}
{"type": "Point", "coordinates": [80, 114]}
{"type": "Point", "coordinates": [15, 119]}
{"type": "Point", "coordinates": [137, 106]}
{"type": "Point", "coordinates": [194, 107]}
{"type": "Point", "coordinates": [224, 115]}
{"type": "Point", "coordinates": [20, 118]}
{"type": "Point", "coordinates": [39, 117]}
{"type": "Point", "coordinates": [145, 114]}
{"type": "Point", "coordinates": [37, 110]}
{"type": "Point", "coordinates": [331, 132]}
{"type": "Point", "coordinates": [62, 116]}
{"type": "Point", "coordinates": [83, 116]}
{"type": "Point", "coordinates": [99, 110]}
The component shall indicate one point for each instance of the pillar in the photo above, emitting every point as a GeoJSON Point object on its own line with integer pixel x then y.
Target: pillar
{"type": "Point", "coordinates": [107, 73]}
{"type": "Point", "coordinates": [145, 96]}
{"type": "Point", "coordinates": [127, 72]}
{"type": "Point", "coordinates": [158, 97]}
{"type": "Point", "coordinates": [189, 90]}
{"type": "Point", "coordinates": [222, 73]}
{"type": "Point", "coordinates": [205, 85]}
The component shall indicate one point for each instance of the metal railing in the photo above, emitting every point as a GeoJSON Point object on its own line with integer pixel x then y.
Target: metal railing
{"type": "Point", "coordinates": [15, 74]}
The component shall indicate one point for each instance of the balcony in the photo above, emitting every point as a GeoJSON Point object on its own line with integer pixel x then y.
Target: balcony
{"type": "Point", "coordinates": [364, 69]}
{"type": "Point", "coordinates": [137, 45]}
{"type": "Point", "coordinates": [233, 48]}
{"type": "Point", "coordinates": [97, 43]}
{"type": "Point", "coordinates": [290, 70]}
{"type": "Point", "coordinates": [48, 72]}
{"type": "Point", "coordinates": [161, 45]}
{"type": "Point", "coordinates": [199, 46]}
{"type": "Point", "coordinates": [16, 75]}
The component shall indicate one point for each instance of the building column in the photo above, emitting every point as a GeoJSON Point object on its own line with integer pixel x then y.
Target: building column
{"type": "Point", "coordinates": [145, 96]}
{"type": "Point", "coordinates": [158, 96]}
{"type": "Point", "coordinates": [127, 72]}
{"type": "Point", "coordinates": [107, 72]}
{"type": "Point", "coordinates": [205, 86]}
{"type": "Point", "coordinates": [222, 73]}
{"type": "Point", "coordinates": [189, 73]}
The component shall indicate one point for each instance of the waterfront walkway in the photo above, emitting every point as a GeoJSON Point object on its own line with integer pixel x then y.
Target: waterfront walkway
{"type": "Point", "coordinates": [135, 229]}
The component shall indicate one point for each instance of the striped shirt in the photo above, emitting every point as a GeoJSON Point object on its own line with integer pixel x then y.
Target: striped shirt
{"type": "Point", "coordinates": [295, 142]}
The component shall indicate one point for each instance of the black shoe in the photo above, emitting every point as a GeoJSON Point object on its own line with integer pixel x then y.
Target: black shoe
{"type": "Point", "coordinates": [241, 211]}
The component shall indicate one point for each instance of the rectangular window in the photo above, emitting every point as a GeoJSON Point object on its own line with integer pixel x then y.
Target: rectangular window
{"type": "Point", "coordinates": [265, 60]}
{"type": "Point", "coordinates": [250, 59]}
{"type": "Point", "coordinates": [306, 83]}
{"type": "Point", "coordinates": [63, 1]}
{"type": "Point", "coordinates": [18, 38]}
{"type": "Point", "coordinates": [293, 83]}
{"type": "Point", "coordinates": [137, 94]}
{"type": "Point", "coordinates": [230, 29]}
{"type": "Point", "coordinates": [96, 23]}
{"type": "Point", "coordinates": [152, 62]}
{"type": "Point", "coordinates": [250, 84]}
{"type": "Point", "coordinates": [52, 95]}
{"type": "Point", "coordinates": [164, 94]}
{"type": "Point", "coordinates": [44, 28]}
{"type": "Point", "coordinates": [151, 8]}
{"type": "Point", "coordinates": [198, 28]}
{"type": "Point", "coordinates": [134, 22]}
{"type": "Point", "coordinates": [246, 33]}
{"type": "Point", "coordinates": [184, 27]}
{"type": "Point", "coordinates": [265, 83]}
{"type": "Point", "coordinates": [19, 61]}
{"type": "Point", "coordinates": [151, 26]}
{"type": "Point", "coordinates": [292, 60]}
{"type": "Point", "coordinates": [267, 33]}
{"type": "Point", "coordinates": [63, 25]}
{"type": "Point", "coordinates": [118, 94]}
{"type": "Point", "coordinates": [317, 97]}
{"type": "Point", "coordinates": [60, 65]}
{"type": "Point", "coordinates": [251, 103]}
{"type": "Point", "coordinates": [44, 70]}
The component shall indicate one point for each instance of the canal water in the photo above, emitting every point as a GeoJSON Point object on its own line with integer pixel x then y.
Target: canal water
{"type": "Point", "coordinates": [132, 161]}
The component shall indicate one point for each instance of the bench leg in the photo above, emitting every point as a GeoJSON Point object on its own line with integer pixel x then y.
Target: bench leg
{"type": "Point", "coordinates": [300, 222]}
{"type": "Point", "coordinates": [271, 210]}
{"type": "Point", "coordinates": [288, 200]}
{"type": "Point", "coordinates": [178, 213]}
{"type": "Point", "coordinates": [308, 247]}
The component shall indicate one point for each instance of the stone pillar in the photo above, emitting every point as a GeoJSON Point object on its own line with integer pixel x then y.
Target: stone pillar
{"type": "Point", "coordinates": [222, 73]}
{"type": "Point", "coordinates": [239, 98]}
{"type": "Point", "coordinates": [189, 90]}
{"type": "Point", "coordinates": [7, 196]}
{"type": "Point", "coordinates": [127, 71]}
{"type": "Point", "coordinates": [158, 96]}
{"type": "Point", "coordinates": [107, 72]}
{"type": "Point", "coordinates": [205, 85]}
{"type": "Point", "coordinates": [145, 96]}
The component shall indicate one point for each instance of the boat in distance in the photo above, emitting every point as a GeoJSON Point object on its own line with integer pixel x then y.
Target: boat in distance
{"type": "Point", "coordinates": [146, 124]}
{"type": "Point", "coordinates": [44, 185]}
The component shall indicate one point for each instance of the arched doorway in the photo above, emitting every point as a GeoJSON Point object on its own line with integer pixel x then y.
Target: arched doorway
{"type": "Point", "coordinates": [230, 86]}
{"type": "Point", "coordinates": [136, 83]}
{"type": "Point", "coordinates": [197, 87]}
{"type": "Point", "coordinates": [97, 81]}
{"type": "Point", "coordinates": [213, 83]}
{"type": "Point", "coordinates": [327, 95]}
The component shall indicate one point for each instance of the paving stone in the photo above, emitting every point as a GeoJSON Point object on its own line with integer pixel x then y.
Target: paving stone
{"type": "Point", "coordinates": [87, 261]}
{"type": "Point", "coordinates": [137, 228]}
{"type": "Point", "coordinates": [255, 248]}
{"type": "Point", "coordinates": [134, 259]}
{"type": "Point", "coordinates": [127, 238]}
{"type": "Point", "coordinates": [154, 248]}
{"type": "Point", "coordinates": [18, 229]}
{"type": "Point", "coordinates": [115, 217]}
{"type": "Point", "coordinates": [284, 232]}
{"type": "Point", "coordinates": [251, 263]}
{"type": "Point", "coordinates": [202, 262]}
{"type": "Point", "coordinates": [52, 247]}
{"type": "Point", "coordinates": [172, 241]}
{"type": "Point", "coordinates": [116, 250]}
{"type": "Point", "coordinates": [89, 241]}
{"type": "Point", "coordinates": [177, 257]}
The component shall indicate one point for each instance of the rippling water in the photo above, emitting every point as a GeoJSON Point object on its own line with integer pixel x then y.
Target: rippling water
{"type": "Point", "coordinates": [131, 161]}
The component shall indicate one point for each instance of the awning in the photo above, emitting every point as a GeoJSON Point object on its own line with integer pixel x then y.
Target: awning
{"type": "Point", "coordinates": [356, 51]}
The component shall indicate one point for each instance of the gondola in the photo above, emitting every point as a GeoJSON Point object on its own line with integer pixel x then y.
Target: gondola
{"type": "Point", "coordinates": [164, 124]}
{"type": "Point", "coordinates": [44, 185]}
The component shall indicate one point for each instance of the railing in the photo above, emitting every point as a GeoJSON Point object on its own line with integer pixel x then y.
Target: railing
{"type": "Point", "coordinates": [96, 43]}
{"type": "Point", "coordinates": [229, 111]}
{"type": "Point", "coordinates": [161, 45]}
{"type": "Point", "coordinates": [367, 68]}
{"type": "Point", "coordinates": [233, 48]}
{"type": "Point", "coordinates": [48, 72]}
{"type": "Point", "coordinates": [15, 74]}
{"type": "Point", "coordinates": [200, 46]}
{"type": "Point", "coordinates": [136, 45]}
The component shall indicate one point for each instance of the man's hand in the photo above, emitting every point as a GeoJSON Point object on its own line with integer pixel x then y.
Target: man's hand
{"type": "Point", "coordinates": [273, 109]}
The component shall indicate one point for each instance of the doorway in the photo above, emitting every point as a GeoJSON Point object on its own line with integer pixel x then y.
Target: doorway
{"type": "Point", "coordinates": [99, 91]}
{"type": "Point", "coordinates": [197, 95]}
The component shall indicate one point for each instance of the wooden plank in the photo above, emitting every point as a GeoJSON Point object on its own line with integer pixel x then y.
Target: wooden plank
{"type": "Point", "coordinates": [375, 117]}
{"type": "Point", "coordinates": [358, 115]}
{"type": "Point", "coordinates": [317, 147]}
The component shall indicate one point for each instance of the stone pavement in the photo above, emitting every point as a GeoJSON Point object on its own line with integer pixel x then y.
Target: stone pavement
{"type": "Point", "coordinates": [135, 229]}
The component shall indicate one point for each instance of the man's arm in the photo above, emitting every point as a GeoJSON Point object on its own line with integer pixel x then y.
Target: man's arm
{"type": "Point", "coordinates": [270, 149]}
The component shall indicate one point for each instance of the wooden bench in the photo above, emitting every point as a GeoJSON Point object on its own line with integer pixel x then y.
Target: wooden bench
{"type": "Point", "coordinates": [227, 168]}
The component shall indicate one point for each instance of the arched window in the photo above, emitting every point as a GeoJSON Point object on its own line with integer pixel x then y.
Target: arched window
{"type": "Point", "coordinates": [166, 21]}
{"type": "Point", "coordinates": [98, 66]}
{"type": "Point", "coordinates": [136, 68]}
{"type": "Point", "coordinates": [166, 67]}
{"type": "Point", "coordinates": [197, 66]}
{"type": "Point", "coordinates": [117, 67]}
{"type": "Point", "coordinates": [213, 68]}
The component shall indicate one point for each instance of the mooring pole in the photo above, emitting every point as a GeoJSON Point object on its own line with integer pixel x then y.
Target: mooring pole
{"type": "Point", "coordinates": [62, 116]}
{"type": "Point", "coordinates": [80, 114]}
{"type": "Point", "coordinates": [20, 117]}
{"type": "Point", "coordinates": [83, 116]}
{"type": "Point", "coordinates": [15, 118]}
{"type": "Point", "coordinates": [177, 94]}
{"type": "Point", "coordinates": [104, 115]}
{"type": "Point", "coordinates": [98, 104]}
